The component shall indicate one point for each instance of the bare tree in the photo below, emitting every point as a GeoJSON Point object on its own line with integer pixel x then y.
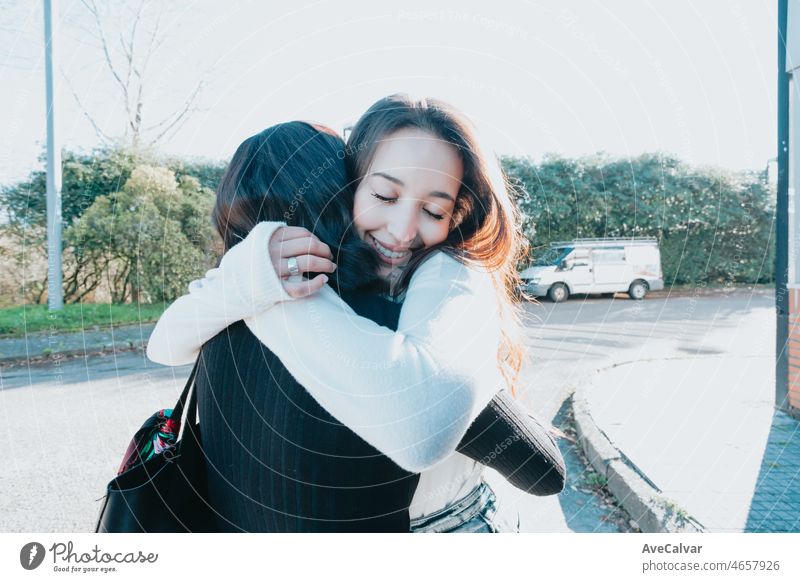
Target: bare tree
{"type": "Point", "coordinates": [129, 68]}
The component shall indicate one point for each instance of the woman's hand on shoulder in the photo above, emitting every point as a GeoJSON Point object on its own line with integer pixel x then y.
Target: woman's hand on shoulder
{"type": "Point", "coordinates": [312, 256]}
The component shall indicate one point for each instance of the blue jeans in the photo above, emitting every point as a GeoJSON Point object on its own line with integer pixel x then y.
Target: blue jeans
{"type": "Point", "coordinates": [473, 513]}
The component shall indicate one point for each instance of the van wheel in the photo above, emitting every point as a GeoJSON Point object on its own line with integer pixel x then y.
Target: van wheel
{"type": "Point", "coordinates": [558, 293]}
{"type": "Point", "coordinates": [638, 290]}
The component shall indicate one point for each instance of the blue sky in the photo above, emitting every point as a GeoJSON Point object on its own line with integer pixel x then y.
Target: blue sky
{"type": "Point", "coordinates": [695, 79]}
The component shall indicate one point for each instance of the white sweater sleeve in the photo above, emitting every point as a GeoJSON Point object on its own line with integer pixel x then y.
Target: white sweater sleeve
{"type": "Point", "coordinates": [412, 393]}
{"type": "Point", "coordinates": [244, 284]}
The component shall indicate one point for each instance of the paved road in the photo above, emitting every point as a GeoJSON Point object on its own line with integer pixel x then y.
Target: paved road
{"type": "Point", "coordinates": [66, 424]}
{"type": "Point", "coordinates": [64, 430]}
{"type": "Point", "coordinates": [698, 418]}
{"type": "Point", "coordinates": [570, 341]}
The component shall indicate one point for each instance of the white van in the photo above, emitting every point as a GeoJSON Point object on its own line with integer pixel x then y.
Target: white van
{"type": "Point", "coordinates": [596, 265]}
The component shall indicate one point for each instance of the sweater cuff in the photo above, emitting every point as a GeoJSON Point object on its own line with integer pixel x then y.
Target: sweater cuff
{"type": "Point", "coordinates": [249, 262]}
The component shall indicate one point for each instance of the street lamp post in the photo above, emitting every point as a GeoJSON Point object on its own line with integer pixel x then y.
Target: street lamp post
{"type": "Point", "coordinates": [55, 298]}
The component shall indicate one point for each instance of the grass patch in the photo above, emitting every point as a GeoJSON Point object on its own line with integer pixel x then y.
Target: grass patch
{"type": "Point", "coordinates": [594, 480]}
{"type": "Point", "coordinates": [16, 321]}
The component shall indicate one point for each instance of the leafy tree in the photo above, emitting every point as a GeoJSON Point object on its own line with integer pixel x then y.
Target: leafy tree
{"type": "Point", "coordinates": [208, 173]}
{"type": "Point", "coordinates": [84, 178]}
{"type": "Point", "coordinates": [183, 193]}
{"type": "Point", "coordinates": [147, 240]}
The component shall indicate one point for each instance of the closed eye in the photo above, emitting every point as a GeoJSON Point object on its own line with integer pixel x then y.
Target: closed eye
{"type": "Point", "coordinates": [383, 198]}
{"type": "Point", "coordinates": [392, 200]}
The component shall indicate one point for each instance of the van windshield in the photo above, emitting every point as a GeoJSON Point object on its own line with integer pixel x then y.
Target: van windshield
{"type": "Point", "coordinates": [552, 256]}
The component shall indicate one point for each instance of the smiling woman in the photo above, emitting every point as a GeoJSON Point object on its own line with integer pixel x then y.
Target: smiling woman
{"type": "Point", "coordinates": [406, 201]}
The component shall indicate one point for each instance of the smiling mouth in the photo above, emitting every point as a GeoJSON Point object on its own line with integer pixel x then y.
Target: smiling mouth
{"type": "Point", "coordinates": [391, 257]}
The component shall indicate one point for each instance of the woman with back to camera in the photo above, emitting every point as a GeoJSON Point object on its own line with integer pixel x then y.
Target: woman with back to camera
{"type": "Point", "coordinates": [422, 186]}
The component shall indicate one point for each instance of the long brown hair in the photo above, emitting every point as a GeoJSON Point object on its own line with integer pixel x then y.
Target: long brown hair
{"type": "Point", "coordinates": [485, 227]}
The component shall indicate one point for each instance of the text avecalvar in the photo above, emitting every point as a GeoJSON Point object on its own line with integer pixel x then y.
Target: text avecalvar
{"type": "Point", "coordinates": [671, 549]}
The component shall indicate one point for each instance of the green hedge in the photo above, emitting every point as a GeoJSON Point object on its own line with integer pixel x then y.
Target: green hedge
{"type": "Point", "coordinates": [713, 226]}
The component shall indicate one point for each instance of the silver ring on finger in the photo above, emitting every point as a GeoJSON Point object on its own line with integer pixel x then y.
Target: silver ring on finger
{"type": "Point", "coordinates": [294, 268]}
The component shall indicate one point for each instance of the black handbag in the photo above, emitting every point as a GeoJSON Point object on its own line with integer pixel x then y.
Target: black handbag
{"type": "Point", "coordinates": [161, 486]}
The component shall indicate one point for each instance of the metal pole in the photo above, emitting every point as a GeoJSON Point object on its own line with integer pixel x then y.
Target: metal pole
{"type": "Point", "coordinates": [54, 292]}
{"type": "Point", "coordinates": [782, 220]}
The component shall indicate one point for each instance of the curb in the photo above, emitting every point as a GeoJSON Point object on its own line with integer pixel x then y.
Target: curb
{"type": "Point", "coordinates": [87, 343]}
{"type": "Point", "coordinates": [647, 506]}
{"type": "Point", "coordinates": [43, 358]}
{"type": "Point", "coordinates": [682, 293]}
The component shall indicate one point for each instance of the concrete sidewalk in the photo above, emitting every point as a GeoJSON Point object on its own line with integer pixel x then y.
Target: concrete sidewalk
{"type": "Point", "coordinates": [44, 344]}
{"type": "Point", "coordinates": [695, 433]}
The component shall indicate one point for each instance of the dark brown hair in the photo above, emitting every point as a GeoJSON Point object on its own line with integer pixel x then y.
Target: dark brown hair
{"type": "Point", "coordinates": [295, 172]}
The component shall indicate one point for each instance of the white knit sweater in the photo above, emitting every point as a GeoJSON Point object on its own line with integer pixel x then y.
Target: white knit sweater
{"type": "Point", "coordinates": [410, 393]}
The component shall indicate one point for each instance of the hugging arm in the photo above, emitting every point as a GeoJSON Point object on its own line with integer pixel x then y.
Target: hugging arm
{"type": "Point", "coordinates": [414, 425]}
{"type": "Point", "coordinates": [506, 438]}
{"type": "Point", "coordinates": [227, 294]}
{"type": "Point", "coordinates": [410, 393]}
{"type": "Point", "coordinates": [420, 393]}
